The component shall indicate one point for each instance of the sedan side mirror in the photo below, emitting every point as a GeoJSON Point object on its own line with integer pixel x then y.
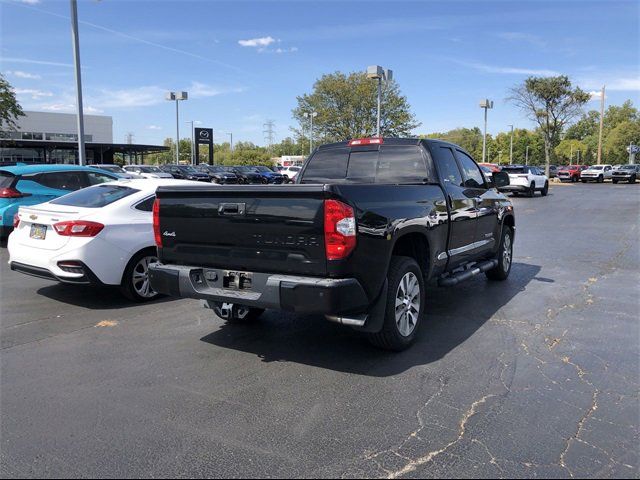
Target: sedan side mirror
{"type": "Point", "coordinates": [500, 180]}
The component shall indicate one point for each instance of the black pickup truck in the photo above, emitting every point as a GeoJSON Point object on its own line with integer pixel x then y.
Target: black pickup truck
{"type": "Point", "coordinates": [366, 225]}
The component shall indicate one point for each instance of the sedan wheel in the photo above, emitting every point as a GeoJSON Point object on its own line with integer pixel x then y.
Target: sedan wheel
{"type": "Point", "coordinates": [140, 279]}
{"type": "Point", "coordinates": [136, 284]}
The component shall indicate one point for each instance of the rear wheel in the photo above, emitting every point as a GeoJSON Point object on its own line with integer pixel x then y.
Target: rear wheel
{"type": "Point", "coordinates": [135, 280]}
{"type": "Point", "coordinates": [600, 179]}
{"type": "Point", "coordinates": [545, 190]}
{"type": "Point", "coordinates": [234, 313]}
{"type": "Point", "coordinates": [504, 257]}
{"type": "Point", "coordinates": [614, 181]}
{"type": "Point", "coordinates": [405, 305]}
{"type": "Point", "coordinates": [532, 190]}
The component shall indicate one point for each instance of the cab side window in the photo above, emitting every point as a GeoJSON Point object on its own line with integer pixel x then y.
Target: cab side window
{"type": "Point", "coordinates": [447, 166]}
{"type": "Point", "coordinates": [472, 173]}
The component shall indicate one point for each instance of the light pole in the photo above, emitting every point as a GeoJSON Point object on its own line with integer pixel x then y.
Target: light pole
{"type": "Point", "coordinates": [511, 147]}
{"type": "Point", "coordinates": [177, 96]}
{"type": "Point", "coordinates": [231, 141]}
{"type": "Point", "coordinates": [82, 160]}
{"type": "Point", "coordinates": [526, 156]}
{"type": "Point", "coordinates": [310, 116]}
{"type": "Point", "coordinates": [499, 157]}
{"type": "Point", "coordinates": [379, 73]}
{"type": "Point", "coordinates": [486, 104]}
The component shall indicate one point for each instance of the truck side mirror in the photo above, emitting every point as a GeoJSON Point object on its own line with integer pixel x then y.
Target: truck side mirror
{"type": "Point", "coordinates": [500, 180]}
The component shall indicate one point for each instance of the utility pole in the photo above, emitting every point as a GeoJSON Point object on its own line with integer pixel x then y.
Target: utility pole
{"type": "Point", "coordinates": [526, 156]}
{"type": "Point", "coordinates": [82, 159]}
{"type": "Point", "coordinates": [231, 141]}
{"type": "Point", "coordinates": [601, 125]}
{"type": "Point", "coordinates": [486, 104]}
{"type": "Point", "coordinates": [571, 156]}
{"type": "Point", "coordinates": [511, 147]}
{"type": "Point", "coordinates": [268, 132]}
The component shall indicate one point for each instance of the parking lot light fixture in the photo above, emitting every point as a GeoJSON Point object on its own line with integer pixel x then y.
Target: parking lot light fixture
{"type": "Point", "coordinates": [486, 104]}
{"type": "Point", "coordinates": [310, 116]}
{"type": "Point", "coordinates": [230, 141]}
{"type": "Point", "coordinates": [511, 147]}
{"type": "Point", "coordinates": [379, 73]}
{"type": "Point", "coordinates": [177, 96]}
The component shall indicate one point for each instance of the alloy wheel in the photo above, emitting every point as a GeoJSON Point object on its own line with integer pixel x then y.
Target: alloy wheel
{"type": "Point", "coordinates": [407, 305]}
{"type": "Point", "coordinates": [141, 283]}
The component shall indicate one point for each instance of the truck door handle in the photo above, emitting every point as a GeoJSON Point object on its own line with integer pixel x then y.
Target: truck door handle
{"type": "Point", "coordinates": [232, 208]}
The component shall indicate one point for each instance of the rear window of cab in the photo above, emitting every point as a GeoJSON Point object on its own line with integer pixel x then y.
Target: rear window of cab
{"type": "Point", "coordinates": [388, 164]}
{"type": "Point", "coordinates": [95, 197]}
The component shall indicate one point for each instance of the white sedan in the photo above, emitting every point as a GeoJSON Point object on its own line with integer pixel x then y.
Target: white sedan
{"type": "Point", "coordinates": [101, 235]}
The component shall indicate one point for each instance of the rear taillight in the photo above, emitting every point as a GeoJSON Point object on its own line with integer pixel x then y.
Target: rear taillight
{"type": "Point", "coordinates": [339, 230]}
{"type": "Point", "coordinates": [156, 223]}
{"type": "Point", "coordinates": [16, 220]}
{"type": "Point", "coordinates": [366, 141]}
{"type": "Point", "coordinates": [78, 228]}
{"type": "Point", "coordinates": [10, 192]}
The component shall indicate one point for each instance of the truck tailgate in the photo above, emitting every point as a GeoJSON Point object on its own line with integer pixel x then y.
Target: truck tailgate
{"type": "Point", "coordinates": [274, 228]}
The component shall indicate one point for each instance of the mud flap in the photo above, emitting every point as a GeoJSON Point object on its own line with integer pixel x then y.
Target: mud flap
{"type": "Point", "coordinates": [375, 320]}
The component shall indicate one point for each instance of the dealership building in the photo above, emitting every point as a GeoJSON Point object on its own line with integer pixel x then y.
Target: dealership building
{"type": "Point", "coordinates": [49, 137]}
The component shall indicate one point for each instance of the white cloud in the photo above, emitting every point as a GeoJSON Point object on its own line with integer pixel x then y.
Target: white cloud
{"type": "Point", "coordinates": [68, 108]}
{"type": "Point", "coordinates": [154, 127]}
{"type": "Point", "coordinates": [30, 2]}
{"type": "Point", "coordinates": [508, 70]}
{"type": "Point", "coordinates": [257, 42]}
{"type": "Point", "coordinates": [34, 93]}
{"type": "Point", "coordinates": [34, 62]}
{"type": "Point", "coordinates": [619, 82]}
{"type": "Point", "coordinates": [21, 74]}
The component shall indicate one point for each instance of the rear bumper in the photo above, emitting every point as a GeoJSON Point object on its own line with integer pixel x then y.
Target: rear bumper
{"type": "Point", "coordinates": [87, 278]}
{"type": "Point", "coordinates": [281, 292]}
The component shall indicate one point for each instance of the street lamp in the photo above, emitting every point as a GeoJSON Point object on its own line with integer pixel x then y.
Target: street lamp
{"type": "Point", "coordinates": [82, 160]}
{"type": "Point", "coordinates": [526, 156]}
{"type": "Point", "coordinates": [177, 96]}
{"type": "Point", "coordinates": [486, 104]}
{"type": "Point", "coordinates": [310, 116]}
{"type": "Point", "coordinates": [379, 73]}
{"type": "Point", "coordinates": [231, 141]}
{"type": "Point", "coordinates": [511, 147]}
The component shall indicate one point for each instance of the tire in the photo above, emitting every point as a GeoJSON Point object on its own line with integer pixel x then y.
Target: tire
{"type": "Point", "coordinates": [632, 179]}
{"type": "Point", "coordinates": [614, 181]}
{"type": "Point", "coordinates": [402, 316]}
{"type": "Point", "coordinates": [135, 279]}
{"type": "Point", "coordinates": [584, 180]}
{"type": "Point", "coordinates": [504, 256]}
{"type": "Point", "coordinates": [545, 190]}
{"type": "Point", "coordinates": [532, 190]}
{"type": "Point", "coordinates": [600, 179]}
{"type": "Point", "coordinates": [234, 313]}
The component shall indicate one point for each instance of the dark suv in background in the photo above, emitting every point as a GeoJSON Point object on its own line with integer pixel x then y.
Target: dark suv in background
{"type": "Point", "coordinates": [268, 175]}
{"type": "Point", "coordinates": [246, 174]}
{"type": "Point", "coordinates": [218, 174]}
{"type": "Point", "coordinates": [625, 173]}
{"type": "Point", "coordinates": [185, 172]}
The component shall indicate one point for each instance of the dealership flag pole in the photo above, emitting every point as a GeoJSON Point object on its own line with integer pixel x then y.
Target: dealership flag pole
{"type": "Point", "coordinates": [76, 59]}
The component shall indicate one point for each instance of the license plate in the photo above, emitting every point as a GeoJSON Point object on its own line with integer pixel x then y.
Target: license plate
{"type": "Point", "coordinates": [38, 232]}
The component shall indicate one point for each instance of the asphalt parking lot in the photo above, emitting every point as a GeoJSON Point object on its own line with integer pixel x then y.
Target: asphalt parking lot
{"type": "Point", "coordinates": [534, 377]}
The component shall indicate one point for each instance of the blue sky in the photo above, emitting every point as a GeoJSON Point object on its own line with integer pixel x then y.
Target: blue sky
{"type": "Point", "coordinates": [244, 62]}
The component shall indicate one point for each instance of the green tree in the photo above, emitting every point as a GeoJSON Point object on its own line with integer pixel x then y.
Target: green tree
{"type": "Point", "coordinates": [586, 126]}
{"type": "Point", "coordinates": [468, 138]}
{"type": "Point", "coordinates": [569, 150]}
{"type": "Point", "coordinates": [551, 102]}
{"type": "Point", "coordinates": [10, 109]}
{"type": "Point", "coordinates": [347, 106]}
{"type": "Point", "coordinates": [618, 139]}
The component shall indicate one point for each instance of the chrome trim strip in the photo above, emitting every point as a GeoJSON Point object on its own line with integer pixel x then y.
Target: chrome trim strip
{"type": "Point", "coordinates": [465, 248]}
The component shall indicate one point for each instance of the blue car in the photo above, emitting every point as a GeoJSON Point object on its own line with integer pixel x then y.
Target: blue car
{"type": "Point", "coordinates": [23, 185]}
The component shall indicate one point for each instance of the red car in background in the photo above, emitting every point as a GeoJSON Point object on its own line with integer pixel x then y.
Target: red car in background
{"type": "Point", "coordinates": [570, 173]}
{"type": "Point", "coordinates": [491, 166]}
